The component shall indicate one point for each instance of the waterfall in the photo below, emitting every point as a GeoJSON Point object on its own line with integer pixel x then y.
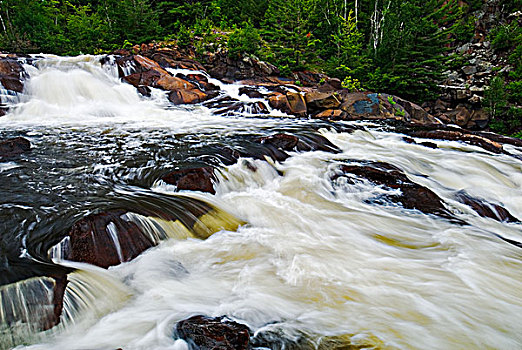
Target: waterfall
{"type": "Point", "coordinates": [295, 250]}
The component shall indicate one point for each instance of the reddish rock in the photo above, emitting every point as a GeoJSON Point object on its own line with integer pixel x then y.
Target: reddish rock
{"type": "Point", "coordinates": [280, 102]}
{"type": "Point", "coordinates": [106, 239]}
{"type": "Point", "coordinates": [333, 114]}
{"type": "Point", "coordinates": [194, 179]}
{"type": "Point", "coordinates": [12, 74]}
{"type": "Point", "coordinates": [181, 96]}
{"type": "Point", "coordinates": [217, 333]}
{"type": "Point", "coordinates": [14, 146]}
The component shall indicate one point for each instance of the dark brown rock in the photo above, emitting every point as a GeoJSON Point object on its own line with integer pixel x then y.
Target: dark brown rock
{"type": "Point", "coordinates": [282, 141]}
{"type": "Point", "coordinates": [193, 179]}
{"type": "Point", "coordinates": [12, 74]}
{"type": "Point", "coordinates": [14, 146]}
{"type": "Point", "coordinates": [213, 333]}
{"type": "Point", "coordinates": [464, 136]}
{"type": "Point", "coordinates": [486, 209]}
{"type": "Point", "coordinates": [250, 91]}
{"type": "Point", "coordinates": [412, 196]}
{"type": "Point", "coordinates": [316, 142]}
{"type": "Point", "coordinates": [425, 144]}
{"type": "Point", "coordinates": [92, 239]}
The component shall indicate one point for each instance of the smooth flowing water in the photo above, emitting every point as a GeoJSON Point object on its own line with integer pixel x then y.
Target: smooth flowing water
{"type": "Point", "coordinates": [315, 258]}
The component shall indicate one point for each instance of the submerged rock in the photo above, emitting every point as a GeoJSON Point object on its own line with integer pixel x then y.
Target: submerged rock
{"type": "Point", "coordinates": [486, 209]}
{"type": "Point", "coordinates": [13, 147]}
{"type": "Point", "coordinates": [411, 196]}
{"type": "Point", "coordinates": [457, 135]}
{"type": "Point", "coordinates": [218, 333]}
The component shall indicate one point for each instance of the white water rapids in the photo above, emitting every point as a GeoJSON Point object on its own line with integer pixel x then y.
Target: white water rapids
{"type": "Point", "coordinates": [315, 257]}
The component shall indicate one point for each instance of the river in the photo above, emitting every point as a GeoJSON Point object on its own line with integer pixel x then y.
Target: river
{"type": "Point", "coordinates": [316, 258]}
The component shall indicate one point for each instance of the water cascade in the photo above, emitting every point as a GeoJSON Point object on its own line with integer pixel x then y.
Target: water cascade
{"type": "Point", "coordinates": [304, 252]}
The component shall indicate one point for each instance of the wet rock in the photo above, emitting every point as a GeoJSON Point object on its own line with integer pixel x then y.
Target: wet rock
{"type": "Point", "coordinates": [182, 96]}
{"type": "Point", "coordinates": [280, 102]}
{"type": "Point", "coordinates": [282, 141]}
{"type": "Point", "coordinates": [144, 90]}
{"type": "Point", "coordinates": [13, 147]}
{"type": "Point", "coordinates": [106, 239]}
{"type": "Point", "coordinates": [12, 74]}
{"type": "Point", "coordinates": [412, 195]}
{"type": "Point", "coordinates": [425, 144]}
{"type": "Point", "coordinates": [316, 142]}
{"type": "Point", "coordinates": [486, 209]}
{"type": "Point", "coordinates": [242, 108]}
{"type": "Point", "coordinates": [464, 136]}
{"type": "Point", "coordinates": [34, 305]}
{"type": "Point", "coordinates": [193, 179]}
{"type": "Point", "coordinates": [250, 91]}
{"type": "Point", "coordinates": [218, 333]}
{"type": "Point", "coordinates": [199, 80]}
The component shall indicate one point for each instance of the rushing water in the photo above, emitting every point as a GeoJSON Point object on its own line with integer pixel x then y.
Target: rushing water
{"type": "Point", "coordinates": [316, 258]}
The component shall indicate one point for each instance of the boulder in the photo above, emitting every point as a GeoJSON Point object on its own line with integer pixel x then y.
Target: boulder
{"type": "Point", "coordinates": [456, 135]}
{"type": "Point", "coordinates": [411, 196]}
{"type": "Point", "coordinates": [250, 91]}
{"type": "Point", "coordinates": [13, 147]}
{"type": "Point", "coordinates": [296, 103]}
{"type": "Point", "coordinates": [182, 96]}
{"type": "Point", "coordinates": [486, 209]}
{"type": "Point", "coordinates": [106, 239]}
{"type": "Point", "coordinates": [322, 100]}
{"type": "Point", "coordinates": [12, 74]}
{"type": "Point", "coordinates": [192, 179]}
{"type": "Point", "coordinates": [282, 141]}
{"type": "Point", "coordinates": [218, 333]}
{"type": "Point", "coordinates": [280, 102]}
{"type": "Point", "coordinates": [361, 105]}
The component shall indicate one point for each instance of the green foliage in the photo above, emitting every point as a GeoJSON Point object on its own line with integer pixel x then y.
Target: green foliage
{"type": "Point", "coordinates": [505, 36]}
{"type": "Point", "coordinates": [505, 117]}
{"type": "Point", "coordinates": [351, 84]}
{"type": "Point", "coordinates": [244, 41]}
{"type": "Point", "coordinates": [495, 97]}
{"type": "Point", "coordinates": [287, 28]}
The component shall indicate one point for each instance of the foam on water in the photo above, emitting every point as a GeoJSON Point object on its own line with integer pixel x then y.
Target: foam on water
{"type": "Point", "coordinates": [317, 256]}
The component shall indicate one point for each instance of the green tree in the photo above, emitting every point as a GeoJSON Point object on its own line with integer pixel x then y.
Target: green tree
{"type": "Point", "coordinates": [288, 29]}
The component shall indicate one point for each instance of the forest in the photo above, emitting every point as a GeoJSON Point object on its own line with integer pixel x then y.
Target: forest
{"type": "Point", "coordinates": [399, 47]}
